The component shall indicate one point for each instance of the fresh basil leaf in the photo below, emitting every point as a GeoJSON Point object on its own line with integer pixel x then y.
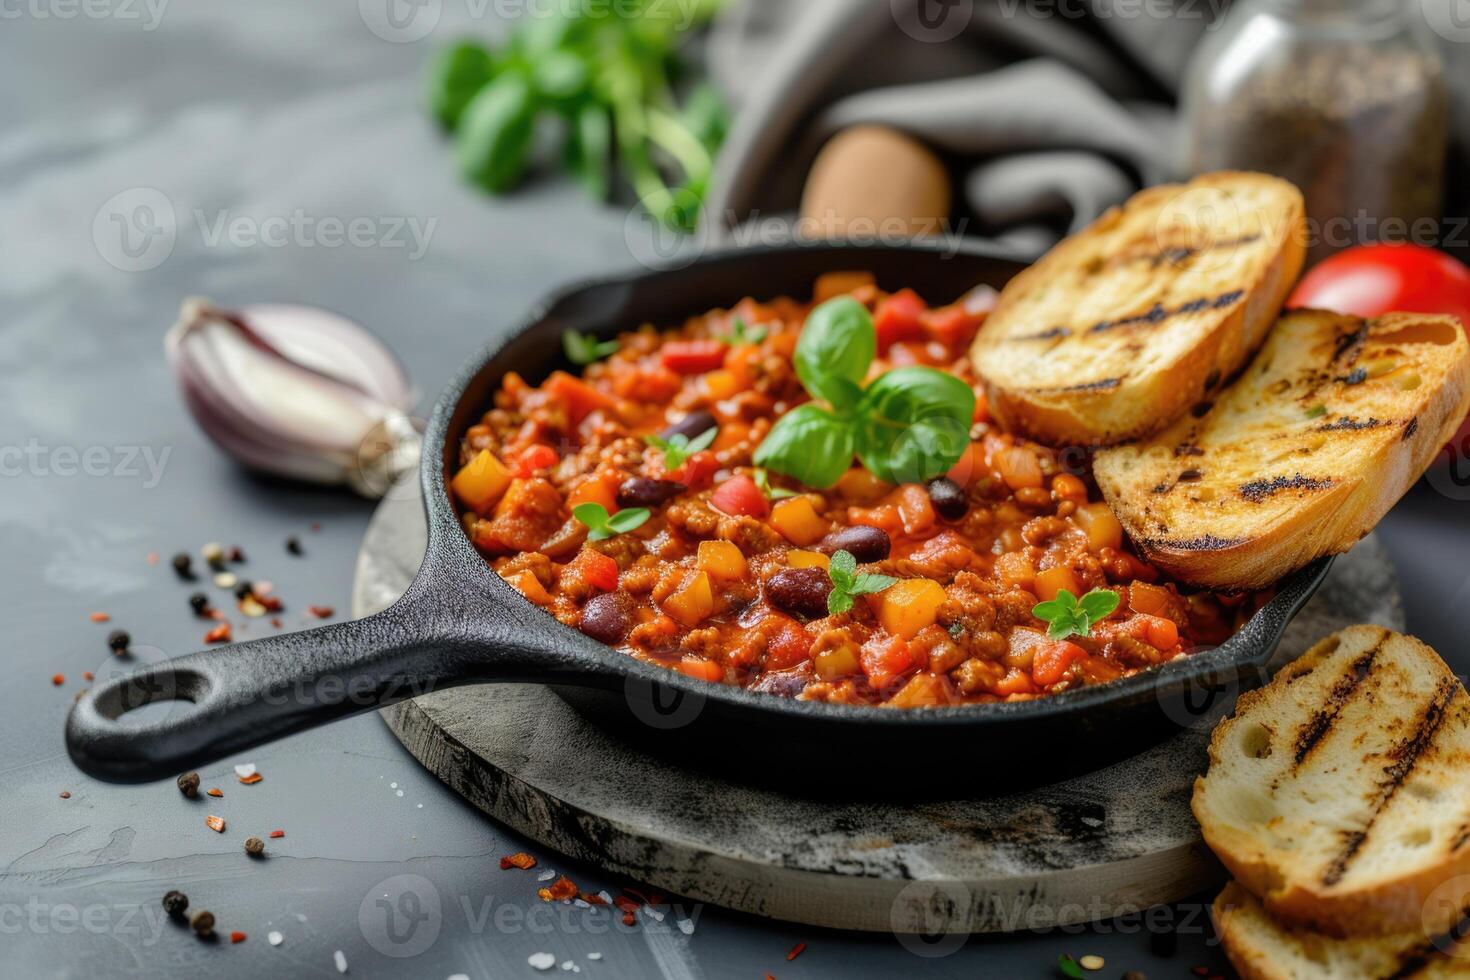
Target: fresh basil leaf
{"type": "Point", "coordinates": [455, 77]}
{"type": "Point", "coordinates": [496, 132]}
{"type": "Point", "coordinates": [838, 601]}
{"type": "Point", "coordinates": [1099, 604]}
{"type": "Point", "coordinates": [1069, 967]}
{"type": "Point", "coordinates": [1062, 627]}
{"type": "Point", "coordinates": [595, 517]}
{"type": "Point", "coordinates": [589, 150]}
{"type": "Point", "coordinates": [838, 343]}
{"type": "Point", "coordinates": [1047, 611]}
{"type": "Point", "coordinates": [583, 349]}
{"type": "Point", "coordinates": [702, 441]}
{"type": "Point", "coordinates": [915, 424]}
{"type": "Point", "coordinates": [810, 445]}
{"type": "Point", "coordinates": [870, 583]}
{"type": "Point", "coordinates": [628, 520]}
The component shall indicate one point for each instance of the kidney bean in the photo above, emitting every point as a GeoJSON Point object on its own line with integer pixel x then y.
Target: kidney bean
{"type": "Point", "coordinates": [948, 498]}
{"type": "Point", "coordinates": [641, 491]}
{"type": "Point", "coordinates": [802, 591]}
{"type": "Point", "coordinates": [605, 618]}
{"type": "Point", "coordinates": [866, 544]}
{"type": "Point", "coordinates": [691, 425]}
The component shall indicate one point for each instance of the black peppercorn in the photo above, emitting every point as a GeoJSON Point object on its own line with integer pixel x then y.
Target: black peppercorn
{"type": "Point", "coordinates": [175, 902]}
{"type": "Point", "coordinates": [118, 640]}
{"type": "Point", "coordinates": [199, 602]}
{"type": "Point", "coordinates": [293, 545]}
{"type": "Point", "coordinates": [203, 924]}
{"type": "Point", "coordinates": [244, 590]}
{"type": "Point", "coordinates": [184, 565]}
{"type": "Point", "coordinates": [254, 846]}
{"type": "Point", "coordinates": [189, 784]}
{"type": "Point", "coordinates": [235, 554]}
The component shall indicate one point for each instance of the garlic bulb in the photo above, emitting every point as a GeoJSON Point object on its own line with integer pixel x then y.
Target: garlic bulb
{"type": "Point", "coordinates": [296, 391]}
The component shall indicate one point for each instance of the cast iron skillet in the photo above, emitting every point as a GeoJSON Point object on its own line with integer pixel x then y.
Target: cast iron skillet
{"type": "Point", "coordinates": [459, 623]}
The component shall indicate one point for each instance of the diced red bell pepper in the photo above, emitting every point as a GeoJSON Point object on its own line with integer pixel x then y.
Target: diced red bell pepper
{"type": "Point", "coordinates": [885, 659]}
{"type": "Point", "coordinates": [1051, 661]}
{"type": "Point", "coordinates": [534, 458]}
{"type": "Point", "coordinates": [596, 569]}
{"type": "Point", "coordinates": [952, 326]}
{"type": "Point", "coordinates": [693, 356]}
{"type": "Point", "coordinates": [898, 318]}
{"type": "Point", "coordinates": [740, 497]}
{"type": "Point", "coordinates": [696, 472]}
{"type": "Point", "coordinates": [789, 647]}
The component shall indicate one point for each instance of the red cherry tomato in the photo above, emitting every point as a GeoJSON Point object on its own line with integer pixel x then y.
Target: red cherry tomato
{"type": "Point", "coordinates": [898, 318]}
{"type": "Point", "coordinates": [693, 356]}
{"type": "Point", "coordinates": [1369, 280]}
{"type": "Point", "coordinates": [740, 497]}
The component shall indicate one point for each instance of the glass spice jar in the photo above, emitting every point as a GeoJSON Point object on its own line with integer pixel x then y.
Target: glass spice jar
{"type": "Point", "coordinates": [1344, 98]}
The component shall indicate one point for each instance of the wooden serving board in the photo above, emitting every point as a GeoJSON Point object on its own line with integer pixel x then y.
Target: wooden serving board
{"type": "Point", "coordinates": [1107, 843]}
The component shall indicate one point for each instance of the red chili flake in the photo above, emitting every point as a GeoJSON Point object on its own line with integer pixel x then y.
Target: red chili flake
{"type": "Point", "coordinates": [270, 603]}
{"type": "Point", "coordinates": [220, 634]}
{"type": "Point", "coordinates": [591, 899]}
{"type": "Point", "coordinates": [322, 612]}
{"type": "Point", "coordinates": [237, 937]}
{"type": "Point", "coordinates": [215, 792]}
{"type": "Point", "coordinates": [520, 860]}
{"type": "Point", "coordinates": [153, 558]}
{"type": "Point", "coordinates": [629, 919]}
{"type": "Point", "coordinates": [796, 951]}
{"type": "Point", "coordinates": [99, 617]}
{"type": "Point", "coordinates": [65, 795]}
{"type": "Point", "coordinates": [278, 833]}
{"type": "Point", "coordinates": [251, 779]}
{"type": "Point", "coordinates": [216, 824]}
{"type": "Point", "coordinates": [276, 622]}
{"type": "Point", "coordinates": [58, 679]}
{"type": "Point", "coordinates": [87, 675]}
{"type": "Point", "coordinates": [561, 889]}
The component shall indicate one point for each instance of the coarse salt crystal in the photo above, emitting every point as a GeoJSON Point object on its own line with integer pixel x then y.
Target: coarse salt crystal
{"type": "Point", "coordinates": [274, 938]}
{"type": "Point", "coordinates": [567, 965]}
{"type": "Point", "coordinates": [653, 913]}
{"type": "Point", "coordinates": [686, 926]}
{"type": "Point", "coordinates": [541, 961]}
{"type": "Point", "coordinates": [579, 903]}
{"type": "Point", "coordinates": [245, 771]}
{"type": "Point", "coordinates": [546, 875]}
{"type": "Point", "coordinates": [606, 898]}
{"type": "Point", "coordinates": [594, 956]}
{"type": "Point", "coordinates": [340, 958]}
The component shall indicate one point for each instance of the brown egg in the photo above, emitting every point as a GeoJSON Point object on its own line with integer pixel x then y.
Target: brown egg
{"type": "Point", "coordinates": [874, 183]}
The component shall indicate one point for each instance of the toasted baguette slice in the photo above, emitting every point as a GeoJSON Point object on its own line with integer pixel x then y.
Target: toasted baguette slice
{"type": "Point", "coordinates": [1260, 948]}
{"type": "Point", "coordinates": [1123, 327]}
{"type": "Point", "coordinates": [1339, 794]}
{"type": "Point", "coordinates": [1331, 424]}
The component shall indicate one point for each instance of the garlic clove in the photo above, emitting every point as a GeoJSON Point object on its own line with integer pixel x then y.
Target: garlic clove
{"type": "Point", "coordinates": [296, 391]}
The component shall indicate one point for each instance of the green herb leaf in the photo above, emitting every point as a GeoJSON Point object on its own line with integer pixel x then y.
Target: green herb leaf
{"type": "Point", "coordinates": [496, 133]}
{"type": "Point", "coordinates": [1066, 615]}
{"type": "Point", "coordinates": [1069, 967]}
{"type": "Point", "coordinates": [810, 444]}
{"type": "Point", "coordinates": [583, 348]}
{"type": "Point", "coordinates": [1316, 411]}
{"type": "Point", "coordinates": [916, 423]}
{"type": "Point", "coordinates": [601, 525]}
{"type": "Point", "coordinates": [763, 481]}
{"type": "Point", "coordinates": [679, 447]}
{"type": "Point", "coordinates": [837, 344]}
{"type": "Point", "coordinates": [455, 77]}
{"type": "Point", "coordinates": [847, 584]}
{"type": "Point", "coordinates": [740, 334]}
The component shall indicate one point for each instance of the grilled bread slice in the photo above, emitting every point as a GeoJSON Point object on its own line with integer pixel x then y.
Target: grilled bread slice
{"type": "Point", "coordinates": [1260, 948]}
{"type": "Point", "coordinates": [1339, 794]}
{"type": "Point", "coordinates": [1332, 423]}
{"type": "Point", "coordinates": [1121, 328]}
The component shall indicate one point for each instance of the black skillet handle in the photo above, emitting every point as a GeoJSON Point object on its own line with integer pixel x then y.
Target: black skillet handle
{"type": "Point", "coordinates": [232, 698]}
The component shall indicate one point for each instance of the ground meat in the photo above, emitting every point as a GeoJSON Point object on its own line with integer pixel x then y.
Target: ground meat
{"type": "Point", "coordinates": [943, 653]}
{"type": "Point", "coordinates": [749, 535]}
{"type": "Point", "coordinates": [527, 561]}
{"type": "Point", "coordinates": [1013, 609]}
{"type": "Point", "coordinates": [625, 549]}
{"type": "Point", "coordinates": [640, 577]}
{"type": "Point", "coordinates": [694, 517]}
{"type": "Point", "coordinates": [656, 634]}
{"type": "Point", "coordinates": [938, 558]}
{"type": "Point", "coordinates": [975, 675]}
{"type": "Point", "coordinates": [705, 643]}
{"type": "Point", "coordinates": [1040, 530]}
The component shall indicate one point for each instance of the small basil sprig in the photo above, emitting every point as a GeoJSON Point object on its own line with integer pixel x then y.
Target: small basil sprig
{"type": "Point", "coordinates": [679, 447]}
{"type": "Point", "coordinates": [847, 584]}
{"type": "Point", "coordinates": [601, 525]}
{"type": "Point", "coordinates": [740, 333]}
{"type": "Point", "coordinates": [583, 349]}
{"type": "Point", "coordinates": [910, 425]}
{"type": "Point", "coordinates": [1066, 615]}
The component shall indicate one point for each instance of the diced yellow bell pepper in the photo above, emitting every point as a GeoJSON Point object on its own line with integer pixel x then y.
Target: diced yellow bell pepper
{"type": "Point", "coordinates": [840, 661]}
{"type": "Point", "coordinates": [910, 605]}
{"type": "Point", "coordinates": [1054, 580]}
{"type": "Point", "coordinates": [721, 559]}
{"type": "Point", "coordinates": [693, 603]}
{"type": "Point", "coordinates": [599, 488]}
{"type": "Point", "coordinates": [722, 384]}
{"type": "Point", "coordinates": [529, 586]}
{"type": "Point", "coordinates": [798, 521]}
{"type": "Point", "coordinates": [807, 559]}
{"type": "Point", "coordinates": [481, 482]}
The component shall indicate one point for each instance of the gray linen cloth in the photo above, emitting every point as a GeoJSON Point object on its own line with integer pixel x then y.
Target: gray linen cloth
{"type": "Point", "coordinates": [1050, 110]}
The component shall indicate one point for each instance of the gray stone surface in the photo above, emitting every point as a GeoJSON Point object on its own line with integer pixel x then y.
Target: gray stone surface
{"type": "Point", "coordinates": [259, 109]}
{"type": "Point", "coordinates": [1089, 848]}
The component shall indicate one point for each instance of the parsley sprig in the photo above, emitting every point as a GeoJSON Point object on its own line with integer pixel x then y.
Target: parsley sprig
{"type": "Point", "coordinates": [911, 424]}
{"type": "Point", "coordinates": [848, 585]}
{"type": "Point", "coordinates": [1067, 615]}
{"type": "Point", "coordinates": [741, 334]}
{"type": "Point", "coordinates": [679, 447]}
{"type": "Point", "coordinates": [583, 349]}
{"type": "Point", "coordinates": [601, 525]}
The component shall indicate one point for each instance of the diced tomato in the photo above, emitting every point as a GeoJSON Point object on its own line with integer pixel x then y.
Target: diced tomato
{"type": "Point", "coordinates": [740, 497]}
{"type": "Point", "coordinates": [885, 518]}
{"type": "Point", "coordinates": [952, 326]}
{"type": "Point", "coordinates": [915, 508]}
{"type": "Point", "coordinates": [580, 398]}
{"type": "Point", "coordinates": [1050, 663]}
{"type": "Point", "coordinates": [897, 318]}
{"type": "Point", "coordinates": [885, 659]}
{"type": "Point", "coordinates": [1158, 631]}
{"type": "Point", "coordinates": [791, 646]}
{"type": "Point", "coordinates": [534, 458]}
{"type": "Point", "coordinates": [597, 569]}
{"type": "Point", "coordinates": [693, 356]}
